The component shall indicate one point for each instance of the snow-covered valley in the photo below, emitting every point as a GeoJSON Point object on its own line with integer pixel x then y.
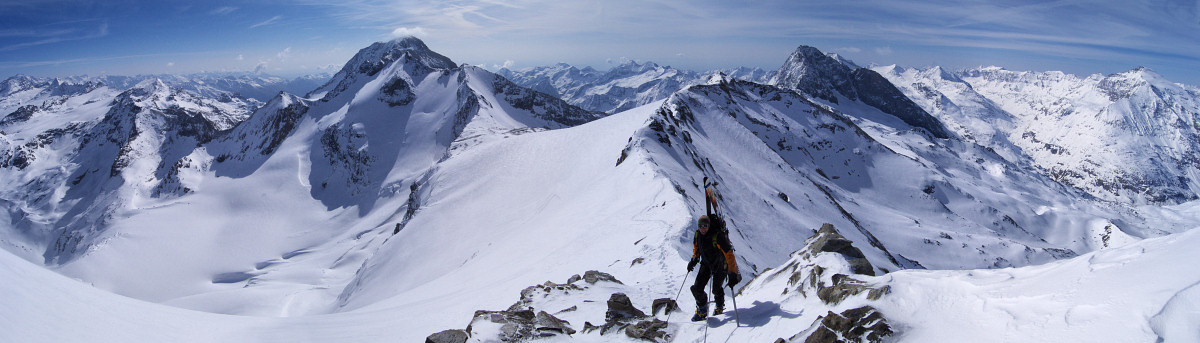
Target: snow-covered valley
{"type": "Point", "coordinates": [409, 192]}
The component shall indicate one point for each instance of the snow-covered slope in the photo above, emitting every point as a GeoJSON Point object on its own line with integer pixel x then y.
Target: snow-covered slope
{"type": "Point", "coordinates": [409, 192]}
{"type": "Point", "coordinates": [1128, 137]}
{"type": "Point", "coordinates": [311, 170]}
{"type": "Point", "coordinates": [1138, 292]}
{"type": "Point", "coordinates": [77, 150]}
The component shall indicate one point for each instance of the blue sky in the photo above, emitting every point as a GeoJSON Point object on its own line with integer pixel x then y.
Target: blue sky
{"type": "Point", "coordinates": [123, 37]}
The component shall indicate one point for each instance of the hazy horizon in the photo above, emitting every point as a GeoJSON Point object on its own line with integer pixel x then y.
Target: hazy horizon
{"type": "Point", "coordinates": [56, 38]}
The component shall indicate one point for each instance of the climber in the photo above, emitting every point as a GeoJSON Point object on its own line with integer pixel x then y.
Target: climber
{"type": "Point", "coordinates": [712, 251]}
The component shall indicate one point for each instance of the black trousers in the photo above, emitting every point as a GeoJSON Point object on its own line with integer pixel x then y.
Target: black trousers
{"type": "Point", "coordinates": [718, 277]}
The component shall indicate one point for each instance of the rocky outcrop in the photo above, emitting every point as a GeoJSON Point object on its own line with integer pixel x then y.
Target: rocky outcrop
{"type": "Point", "coordinates": [828, 239]}
{"type": "Point", "coordinates": [622, 314]}
{"type": "Point", "coordinates": [831, 286]}
{"type": "Point", "coordinates": [518, 325]}
{"type": "Point", "coordinates": [863, 324]}
{"type": "Point", "coordinates": [650, 330]}
{"type": "Point", "coordinates": [665, 304]}
{"type": "Point", "coordinates": [832, 270]}
{"type": "Point", "coordinates": [621, 308]}
{"type": "Point", "coordinates": [525, 320]}
{"type": "Point", "coordinates": [528, 319]}
{"type": "Point", "coordinates": [593, 277]}
{"type": "Point", "coordinates": [448, 336]}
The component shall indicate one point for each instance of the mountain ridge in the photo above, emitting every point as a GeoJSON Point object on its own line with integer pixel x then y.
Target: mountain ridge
{"type": "Point", "coordinates": [1094, 133]}
{"type": "Point", "coordinates": [408, 184]}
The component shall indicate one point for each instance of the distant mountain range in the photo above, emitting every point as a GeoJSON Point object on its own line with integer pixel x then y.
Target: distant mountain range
{"type": "Point", "coordinates": [408, 186]}
{"type": "Point", "coordinates": [625, 86]}
{"type": "Point", "coordinates": [1132, 137]}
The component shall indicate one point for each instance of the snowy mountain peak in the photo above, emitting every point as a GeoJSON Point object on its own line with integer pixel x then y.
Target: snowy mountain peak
{"type": "Point", "coordinates": [417, 59]}
{"type": "Point", "coordinates": [632, 66]}
{"type": "Point", "coordinates": [718, 78]}
{"type": "Point", "coordinates": [1140, 76]}
{"type": "Point", "coordinates": [843, 60]}
{"type": "Point", "coordinates": [814, 73]}
{"type": "Point", "coordinates": [808, 63]}
{"type": "Point", "coordinates": [409, 42]}
{"type": "Point", "coordinates": [149, 87]}
{"type": "Point", "coordinates": [410, 49]}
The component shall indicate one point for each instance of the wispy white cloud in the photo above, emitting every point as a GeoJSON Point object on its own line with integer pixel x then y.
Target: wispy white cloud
{"type": "Point", "coordinates": [408, 31]}
{"type": "Point", "coordinates": [267, 22]}
{"type": "Point", "coordinates": [507, 64]}
{"type": "Point", "coordinates": [55, 62]}
{"type": "Point", "coordinates": [223, 10]}
{"type": "Point", "coordinates": [884, 51]}
{"type": "Point", "coordinates": [51, 36]}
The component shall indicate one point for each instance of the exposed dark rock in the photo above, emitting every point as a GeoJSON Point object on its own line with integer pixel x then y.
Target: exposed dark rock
{"type": "Point", "coordinates": [844, 287]}
{"type": "Point", "coordinates": [521, 325]}
{"type": "Point", "coordinates": [650, 330]}
{"type": "Point", "coordinates": [448, 336]}
{"type": "Point", "coordinates": [397, 92]}
{"type": "Point", "coordinates": [620, 308]}
{"type": "Point", "coordinates": [513, 325]}
{"type": "Point", "coordinates": [547, 324]}
{"type": "Point", "coordinates": [21, 114]}
{"type": "Point", "coordinates": [863, 324]}
{"type": "Point", "coordinates": [541, 291]}
{"type": "Point", "coordinates": [593, 276]}
{"type": "Point", "coordinates": [666, 304]}
{"type": "Point", "coordinates": [809, 278]}
{"type": "Point", "coordinates": [829, 239]}
{"type": "Point", "coordinates": [542, 105]}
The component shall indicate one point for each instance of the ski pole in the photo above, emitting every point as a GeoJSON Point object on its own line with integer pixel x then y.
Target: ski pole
{"type": "Point", "coordinates": [684, 283]}
{"type": "Point", "coordinates": [736, 317]}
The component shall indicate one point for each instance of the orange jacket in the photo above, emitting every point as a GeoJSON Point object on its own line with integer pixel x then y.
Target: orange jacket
{"type": "Point", "coordinates": [714, 248]}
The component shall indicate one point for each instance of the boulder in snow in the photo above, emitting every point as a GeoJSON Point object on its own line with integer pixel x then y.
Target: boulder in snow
{"type": "Point", "coordinates": [593, 277]}
{"type": "Point", "coordinates": [863, 324]}
{"type": "Point", "coordinates": [666, 304]}
{"type": "Point", "coordinates": [650, 330]}
{"type": "Point", "coordinates": [448, 336]}
{"type": "Point", "coordinates": [620, 307]}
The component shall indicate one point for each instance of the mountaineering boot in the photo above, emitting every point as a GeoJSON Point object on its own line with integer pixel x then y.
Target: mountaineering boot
{"type": "Point", "coordinates": [719, 310]}
{"type": "Point", "coordinates": [701, 313]}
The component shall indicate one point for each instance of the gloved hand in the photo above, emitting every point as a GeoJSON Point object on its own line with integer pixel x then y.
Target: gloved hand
{"type": "Point", "coordinates": [692, 264]}
{"type": "Point", "coordinates": [734, 279]}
